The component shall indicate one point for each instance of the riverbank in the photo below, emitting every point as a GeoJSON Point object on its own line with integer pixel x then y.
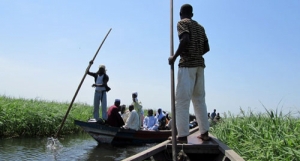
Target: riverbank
{"type": "Point", "coordinates": [35, 117]}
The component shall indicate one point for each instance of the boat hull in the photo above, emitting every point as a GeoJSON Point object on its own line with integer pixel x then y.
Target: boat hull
{"type": "Point", "coordinates": [105, 134]}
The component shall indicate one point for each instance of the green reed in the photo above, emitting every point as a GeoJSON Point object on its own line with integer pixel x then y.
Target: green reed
{"type": "Point", "coordinates": [263, 136]}
{"type": "Point", "coordinates": [35, 117]}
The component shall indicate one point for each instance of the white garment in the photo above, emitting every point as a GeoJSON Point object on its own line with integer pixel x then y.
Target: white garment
{"type": "Point", "coordinates": [190, 86]}
{"type": "Point", "coordinates": [150, 123]}
{"type": "Point", "coordinates": [125, 116]}
{"type": "Point", "coordinates": [169, 125]}
{"type": "Point", "coordinates": [133, 121]}
{"type": "Point", "coordinates": [100, 81]}
{"type": "Point", "coordinates": [139, 109]}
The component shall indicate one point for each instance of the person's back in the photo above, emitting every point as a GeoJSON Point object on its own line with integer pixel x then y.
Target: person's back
{"type": "Point", "coordinates": [114, 118]}
{"type": "Point", "coordinates": [190, 78]}
{"type": "Point", "coordinates": [133, 120]}
{"type": "Point", "coordinates": [192, 56]}
{"type": "Point", "coordinates": [213, 114]}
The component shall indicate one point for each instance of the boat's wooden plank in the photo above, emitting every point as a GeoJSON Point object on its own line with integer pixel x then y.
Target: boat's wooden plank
{"type": "Point", "coordinates": [229, 153]}
{"type": "Point", "coordinates": [154, 150]}
{"type": "Point", "coordinates": [196, 145]}
{"type": "Point", "coordinates": [149, 152]}
{"type": "Point", "coordinates": [192, 139]}
{"type": "Point", "coordinates": [196, 149]}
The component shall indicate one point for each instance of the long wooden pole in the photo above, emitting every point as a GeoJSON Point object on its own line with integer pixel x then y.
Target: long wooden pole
{"type": "Point", "coordinates": [174, 143]}
{"type": "Point", "coordinates": [89, 66]}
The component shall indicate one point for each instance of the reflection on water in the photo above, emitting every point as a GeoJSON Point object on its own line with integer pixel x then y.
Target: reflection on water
{"type": "Point", "coordinates": [72, 147]}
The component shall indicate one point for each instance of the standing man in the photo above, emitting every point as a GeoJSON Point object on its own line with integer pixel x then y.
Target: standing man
{"type": "Point", "coordinates": [113, 117]}
{"type": "Point", "coordinates": [138, 107]}
{"type": "Point", "coordinates": [213, 115]}
{"type": "Point", "coordinates": [101, 79]}
{"type": "Point", "coordinates": [190, 79]}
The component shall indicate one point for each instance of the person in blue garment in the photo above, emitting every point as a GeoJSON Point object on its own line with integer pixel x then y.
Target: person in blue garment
{"type": "Point", "coordinates": [150, 122]}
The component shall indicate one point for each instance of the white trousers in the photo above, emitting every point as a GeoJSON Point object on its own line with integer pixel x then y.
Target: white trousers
{"type": "Point", "coordinates": [190, 86]}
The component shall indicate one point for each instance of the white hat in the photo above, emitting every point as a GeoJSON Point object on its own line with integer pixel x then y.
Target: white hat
{"type": "Point", "coordinates": [102, 66]}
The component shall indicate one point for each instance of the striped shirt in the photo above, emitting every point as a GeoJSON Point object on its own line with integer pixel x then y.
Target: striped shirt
{"type": "Point", "coordinates": [192, 56]}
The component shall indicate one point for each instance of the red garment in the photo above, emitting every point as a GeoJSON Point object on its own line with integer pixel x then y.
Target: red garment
{"type": "Point", "coordinates": [113, 117]}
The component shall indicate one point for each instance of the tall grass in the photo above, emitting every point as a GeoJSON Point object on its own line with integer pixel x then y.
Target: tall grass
{"type": "Point", "coordinates": [34, 117]}
{"type": "Point", "coordinates": [263, 136]}
{"type": "Point", "coordinates": [268, 136]}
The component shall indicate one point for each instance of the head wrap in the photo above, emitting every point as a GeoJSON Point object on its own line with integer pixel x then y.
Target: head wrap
{"type": "Point", "coordinates": [160, 115]}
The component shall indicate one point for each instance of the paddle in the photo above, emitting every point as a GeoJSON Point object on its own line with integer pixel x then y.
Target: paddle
{"type": "Point", "coordinates": [174, 143]}
{"type": "Point", "coordinates": [89, 66]}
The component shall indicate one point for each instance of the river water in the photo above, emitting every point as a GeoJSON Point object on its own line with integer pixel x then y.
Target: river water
{"type": "Point", "coordinates": [79, 147]}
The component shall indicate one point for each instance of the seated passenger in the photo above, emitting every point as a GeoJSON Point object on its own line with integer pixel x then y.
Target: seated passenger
{"type": "Point", "coordinates": [113, 116]}
{"type": "Point", "coordinates": [124, 114]}
{"type": "Point", "coordinates": [169, 125]}
{"type": "Point", "coordinates": [161, 119]}
{"type": "Point", "coordinates": [217, 118]}
{"type": "Point", "coordinates": [133, 121]}
{"type": "Point", "coordinates": [193, 124]}
{"type": "Point", "coordinates": [150, 122]}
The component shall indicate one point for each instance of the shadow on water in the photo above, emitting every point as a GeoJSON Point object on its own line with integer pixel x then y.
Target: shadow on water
{"type": "Point", "coordinates": [71, 147]}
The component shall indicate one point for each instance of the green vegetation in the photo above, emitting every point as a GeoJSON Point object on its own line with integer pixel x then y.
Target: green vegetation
{"type": "Point", "coordinates": [33, 117]}
{"type": "Point", "coordinates": [269, 136]}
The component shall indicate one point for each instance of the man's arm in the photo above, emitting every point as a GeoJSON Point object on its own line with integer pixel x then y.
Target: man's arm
{"type": "Point", "coordinates": [145, 122]}
{"type": "Point", "coordinates": [185, 39]}
{"type": "Point", "coordinates": [87, 71]}
{"type": "Point", "coordinates": [205, 47]}
{"type": "Point", "coordinates": [90, 73]}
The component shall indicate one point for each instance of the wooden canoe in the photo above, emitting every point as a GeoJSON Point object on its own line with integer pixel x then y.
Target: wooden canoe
{"type": "Point", "coordinates": [105, 134]}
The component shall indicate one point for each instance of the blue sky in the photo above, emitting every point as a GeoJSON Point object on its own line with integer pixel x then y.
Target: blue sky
{"type": "Point", "coordinates": [45, 47]}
